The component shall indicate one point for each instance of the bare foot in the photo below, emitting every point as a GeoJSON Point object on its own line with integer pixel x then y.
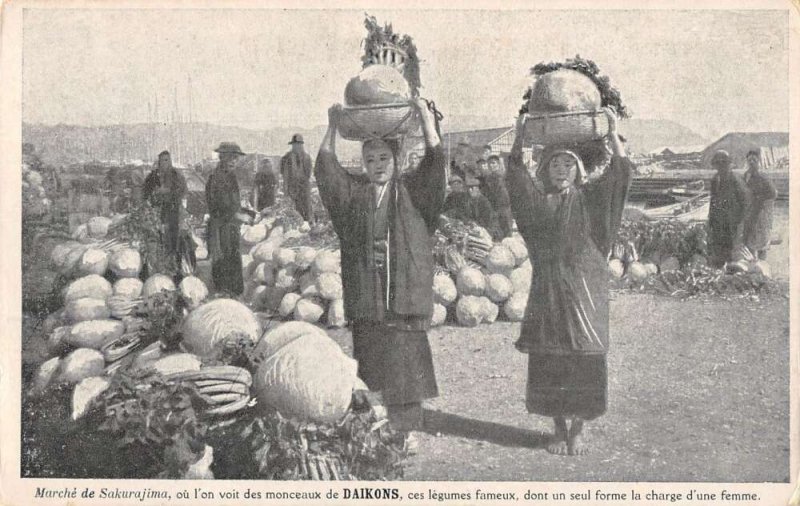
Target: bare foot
{"type": "Point", "coordinates": [557, 447]}
{"type": "Point", "coordinates": [575, 441]}
{"type": "Point", "coordinates": [558, 442]}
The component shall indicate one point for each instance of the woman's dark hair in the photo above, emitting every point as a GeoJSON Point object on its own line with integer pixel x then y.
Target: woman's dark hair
{"type": "Point", "coordinates": [493, 157]}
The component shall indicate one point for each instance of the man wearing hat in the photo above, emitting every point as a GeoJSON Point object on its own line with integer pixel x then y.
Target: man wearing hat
{"type": "Point", "coordinates": [726, 213]}
{"type": "Point", "coordinates": [296, 171]}
{"type": "Point", "coordinates": [222, 196]}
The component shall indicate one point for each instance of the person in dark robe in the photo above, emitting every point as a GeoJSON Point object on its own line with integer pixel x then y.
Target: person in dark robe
{"type": "Point", "coordinates": [493, 185]}
{"type": "Point", "coordinates": [457, 195]}
{"type": "Point", "coordinates": [569, 226]}
{"type": "Point", "coordinates": [296, 171]}
{"type": "Point", "coordinates": [726, 213]}
{"type": "Point", "coordinates": [222, 197]}
{"type": "Point", "coordinates": [473, 207]}
{"type": "Point", "coordinates": [758, 219]}
{"type": "Point", "coordinates": [385, 225]}
{"type": "Point", "coordinates": [164, 188]}
{"type": "Point", "coordinates": [265, 184]}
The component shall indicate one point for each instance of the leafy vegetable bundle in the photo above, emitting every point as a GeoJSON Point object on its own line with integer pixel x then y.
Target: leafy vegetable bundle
{"type": "Point", "coordinates": [378, 36]}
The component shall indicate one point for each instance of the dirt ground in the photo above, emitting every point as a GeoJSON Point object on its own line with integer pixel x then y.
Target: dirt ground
{"type": "Point", "coordinates": [698, 391]}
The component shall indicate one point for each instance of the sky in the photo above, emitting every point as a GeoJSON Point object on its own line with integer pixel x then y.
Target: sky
{"type": "Point", "coordinates": [712, 71]}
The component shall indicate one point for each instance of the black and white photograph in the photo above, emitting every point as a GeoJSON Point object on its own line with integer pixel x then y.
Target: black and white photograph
{"type": "Point", "coordinates": [535, 246]}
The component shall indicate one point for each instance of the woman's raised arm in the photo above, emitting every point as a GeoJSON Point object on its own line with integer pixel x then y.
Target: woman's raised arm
{"type": "Point", "coordinates": [335, 184]}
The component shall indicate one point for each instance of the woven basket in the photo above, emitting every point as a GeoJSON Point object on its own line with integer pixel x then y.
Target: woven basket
{"type": "Point", "coordinates": [565, 127]}
{"type": "Point", "coordinates": [391, 121]}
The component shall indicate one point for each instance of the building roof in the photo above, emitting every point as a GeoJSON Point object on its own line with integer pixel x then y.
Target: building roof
{"type": "Point", "coordinates": [678, 150]}
{"type": "Point", "coordinates": [476, 138]}
{"type": "Point", "coordinates": [755, 138]}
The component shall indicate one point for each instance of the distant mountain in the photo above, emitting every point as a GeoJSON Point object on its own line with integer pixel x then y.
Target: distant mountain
{"type": "Point", "coordinates": [190, 143]}
{"type": "Point", "coordinates": [645, 135]}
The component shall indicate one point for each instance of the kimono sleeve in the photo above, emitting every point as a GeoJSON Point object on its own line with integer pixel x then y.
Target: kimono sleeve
{"type": "Point", "coordinates": [487, 218]}
{"type": "Point", "coordinates": [335, 189]}
{"type": "Point", "coordinates": [606, 200]}
{"type": "Point", "coordinates": [522, 195]}
{"type": "Point", "coordinates": [427, 185]}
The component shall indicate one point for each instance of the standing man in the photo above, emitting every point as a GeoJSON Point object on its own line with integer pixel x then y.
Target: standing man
{"type": "Point", "coordinates": [265, 185]}
{"type": "Point", "coordinates": [296, 171]}
{"type": "Point", "coordinates": [758, 222]}
{"type": "Point", "coordinates": [222, 196]}
{"type": "Point", "coordinates": [493, 185]}
{"type": "Point", "coordinates": [164, 188]}
{"type": "Point", "coordinates": [726, 212]}
{"type": "Point", "coordinates": [385, 226]}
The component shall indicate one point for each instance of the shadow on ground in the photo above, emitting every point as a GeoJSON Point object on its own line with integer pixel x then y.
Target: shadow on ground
{"type": "Point", "coordinates": [438, 422]}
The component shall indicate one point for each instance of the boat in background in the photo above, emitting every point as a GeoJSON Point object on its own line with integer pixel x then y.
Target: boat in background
{"type": "Point", "coordinates": [687, 202]}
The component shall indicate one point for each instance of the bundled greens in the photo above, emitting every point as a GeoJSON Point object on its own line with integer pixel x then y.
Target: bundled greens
{"type": "Point", "coordinates": [379, 36]}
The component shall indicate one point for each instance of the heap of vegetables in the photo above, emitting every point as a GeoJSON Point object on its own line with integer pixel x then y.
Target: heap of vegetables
{"type": "Point", "coordinates": [478, 280]}
{"type": "Point", "coordinates": [212, 394]}
{"type": "Point", "coordinates": [35, 201]}
{"type": "Point", "coordinates": [670, 257]}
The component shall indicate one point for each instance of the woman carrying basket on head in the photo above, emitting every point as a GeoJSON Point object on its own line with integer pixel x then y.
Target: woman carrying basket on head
{"type": "Point", "coordinates": [568, 226]}
{"type": "Point", "coordinates": [385, 226]}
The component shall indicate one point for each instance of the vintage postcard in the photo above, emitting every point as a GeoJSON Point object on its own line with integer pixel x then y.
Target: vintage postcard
{"type": "Point", "coordinates": [378, 252]}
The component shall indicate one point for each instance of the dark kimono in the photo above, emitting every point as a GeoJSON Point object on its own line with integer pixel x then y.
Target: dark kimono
{"type": "Point", "coordinates": [296, 171]}
{"type": "Point", "coordinates": [726, 217]}
{"type": "Point", "coordinates": [462, 206]}
{"type": "Point", "coordinates": [758, 219]}
{"type": "Point", "coordinates": [565, 330]}
{"type": "Point", "coordinates": [168, 204]}
{"type": "Point", "coordinates": [494, 187]}
{"type": "Point", "coordinates": [222, 196]}
{"type": "Point", "coordinates": [387, 274]}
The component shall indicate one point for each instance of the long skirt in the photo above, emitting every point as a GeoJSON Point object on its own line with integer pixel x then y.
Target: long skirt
{"type": "Point", "coordinates": [567, 385]}
{"type": "Point", "coordinates": [300, 192]}
{"type": "Point", "coordinates": [227, 274]}
{"type": "Point", "coordinates": [397, 363]}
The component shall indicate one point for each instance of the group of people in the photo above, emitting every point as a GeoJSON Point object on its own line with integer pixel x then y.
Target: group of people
{"type": "Point", "coordinates": [165, 189]}
{"type": "Point", "coordinates": [479, 195]}
{"type": "Point", "coordinates": [385, 224]}
{"type": "Point", "coordinates": [568, 213]}
{"type": "Point", "coordinates": [740, 213]}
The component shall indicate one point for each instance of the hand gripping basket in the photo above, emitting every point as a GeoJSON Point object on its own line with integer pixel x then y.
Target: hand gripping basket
{"type": "Point", "coordinates": [384, 121]}
{"type": "Point", "coordinates": [565, 127]}
{"type": "Point", "coordinates": [390, 121]}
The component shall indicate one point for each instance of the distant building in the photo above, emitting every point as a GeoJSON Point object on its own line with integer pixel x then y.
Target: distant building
{"type": "Point", "coordinates": [467, 146]}
{"type": "Point", "coordinates": [773, 147]}
{"type": "Point", "coordinates": [668, 151]}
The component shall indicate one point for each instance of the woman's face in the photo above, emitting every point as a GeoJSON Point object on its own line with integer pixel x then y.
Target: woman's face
{"type": "Point", "coordinates": [379, 162]}
{"type": "Point", "coordinates": [562, 171]}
